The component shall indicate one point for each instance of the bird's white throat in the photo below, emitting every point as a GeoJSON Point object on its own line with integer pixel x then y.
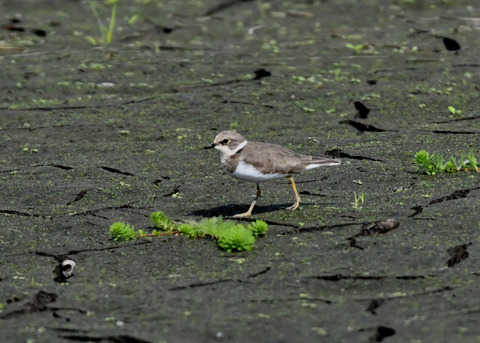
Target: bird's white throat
{"type": "Point", "coordinates": [227, 152]}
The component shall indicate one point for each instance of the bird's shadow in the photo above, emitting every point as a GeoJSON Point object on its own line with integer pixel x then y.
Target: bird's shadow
{"type": "Point", "coordinates": [230, 210]}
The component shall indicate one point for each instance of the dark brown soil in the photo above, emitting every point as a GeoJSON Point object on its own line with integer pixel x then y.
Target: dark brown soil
{"type": "Point", "coordinates": [91, 135]}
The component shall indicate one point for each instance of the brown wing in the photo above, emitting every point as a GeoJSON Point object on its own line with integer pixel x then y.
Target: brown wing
{"type": "Point", "coordinates": [275, 158]}
{"type": "Point", "coordinates": [278, 159]}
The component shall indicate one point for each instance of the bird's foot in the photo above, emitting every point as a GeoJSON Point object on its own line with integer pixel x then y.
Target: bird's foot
{"type": "Point", "coordinates": [243, 215]}
{"type": "Point", "coordinates": [294, 206]}
{"type": "Point", "coordinates": [249, 212]}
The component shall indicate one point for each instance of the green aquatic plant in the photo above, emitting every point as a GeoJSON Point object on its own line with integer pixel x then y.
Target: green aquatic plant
{"type": "Point", "coordinates": [451, 165]}
{"type": "Point", "coordinates": [161, 221]}
{"type": "Point", "coordinates": [258, 228]}
{"type": "Point", "coordinates": [122, 232]}
{"type": "Point", "coordinates": [229, 235]}
{"type": "Point", "coordinates": [472, 160]}
{"type": "Point", "coordinates": [236, 238]}
{"type": "Point", "coordinates": [191, 231]}
{"type": "Point", "coordinates": [432, 164]}
{"type": "Point", "coordinates": [429, 163]}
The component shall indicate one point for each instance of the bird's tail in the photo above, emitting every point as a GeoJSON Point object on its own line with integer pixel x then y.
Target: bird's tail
{"type": "Point", "coordinates": [322, 162]}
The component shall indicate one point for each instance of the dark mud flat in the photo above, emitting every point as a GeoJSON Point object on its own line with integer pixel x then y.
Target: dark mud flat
{"type": "Point", "coordinates": [91, 135]}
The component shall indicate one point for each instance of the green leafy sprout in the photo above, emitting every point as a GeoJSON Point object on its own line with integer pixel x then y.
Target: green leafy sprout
{"type": "Point", "coordinates": [105, 33]}
{"type": "Point", "coordinates": [358, 199]}
{"type": "Point", "coordinates": [229, 235]}
{"type": "Point", "coordinates": [362, 49]}
{"type": "Point", "coordinates": [432, 164]}
{"type": "Point", "coordinates": [454, 112]}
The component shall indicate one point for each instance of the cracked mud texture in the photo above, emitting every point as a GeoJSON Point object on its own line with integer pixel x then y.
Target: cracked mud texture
{"type": "Point", "coordinates": [94, 135]}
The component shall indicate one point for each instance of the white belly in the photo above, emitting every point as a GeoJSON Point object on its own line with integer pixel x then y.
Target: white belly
{"type": "Point", "coordinates": [248, 173]}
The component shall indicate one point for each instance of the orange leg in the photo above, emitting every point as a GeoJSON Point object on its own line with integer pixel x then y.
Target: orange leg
{"type": "Point", "coordinates": [249, 212]}
{"type": "Point", "coordinates": [297, 197]}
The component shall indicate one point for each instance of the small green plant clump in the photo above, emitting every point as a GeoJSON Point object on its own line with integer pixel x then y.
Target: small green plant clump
{"type": "Point", "coordinates": [230, 236]}
{"type": "Point", "coordinates": [432, 164]}
{"type": "Point", "coordinates": [362, 49]}
{"type": "Point", "coordinates": [236, 238]}
{"type": "Point", "coordinates": [162, 221]}
{"type": "Point", "coordinates": [123, 232]}
{"type": "Point", "coordinates": [454, 112]}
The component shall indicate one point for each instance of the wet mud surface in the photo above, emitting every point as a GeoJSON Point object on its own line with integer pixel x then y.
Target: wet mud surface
{"type": "Point", "coordinates": [91, 135]}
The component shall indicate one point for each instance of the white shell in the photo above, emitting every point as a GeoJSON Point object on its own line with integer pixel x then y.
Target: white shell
{"type": "Point", "coordinates": [67, 267]}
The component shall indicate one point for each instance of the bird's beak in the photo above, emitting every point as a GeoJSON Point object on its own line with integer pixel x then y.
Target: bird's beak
{"type": "Point", "coordinates": [213, 145]}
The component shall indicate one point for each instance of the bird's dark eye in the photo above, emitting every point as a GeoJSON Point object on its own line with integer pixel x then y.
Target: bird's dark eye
{"type": "Point", "coordinates": [225, 141]}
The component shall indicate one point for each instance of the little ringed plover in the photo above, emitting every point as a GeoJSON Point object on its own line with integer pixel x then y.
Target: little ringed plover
{"type": "Point", "coordinates": [258, 162]}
